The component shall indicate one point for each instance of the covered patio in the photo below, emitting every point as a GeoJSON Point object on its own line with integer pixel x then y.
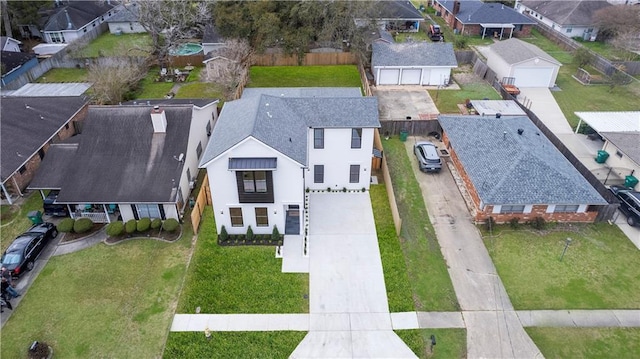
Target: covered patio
{"type": "Point", "coordinates": [496, 30]}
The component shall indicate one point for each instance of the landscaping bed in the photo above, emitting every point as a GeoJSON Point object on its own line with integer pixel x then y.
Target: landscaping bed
{"type": "Point", "coordinates": [257, 240]}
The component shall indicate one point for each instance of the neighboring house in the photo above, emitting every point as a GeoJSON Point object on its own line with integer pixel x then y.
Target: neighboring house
{"type": "Point", "coordinates": [126, 21]}
{"type": "Point", "coordinates": [412, 63]}
{"type": "Point", "coordinates": [474, 17]}
{"type": "Point", "coordinates": [273, 144]}
{"type": "Point", "coordinates": [395, 15]}
{"type": "Point", "coordinates": [15, 64]}
{"type": "Point", "coordinates": [9, 44]}
{"type": "Point", "coordinates": [72, 19]}
{"type": "Point", "coordinates": [621, 134]}
{"type": "Point", "coordinates": [526, 63]}
{"type": "Point", "coordinates": [511, 170]}
{"type": "Point", "coordinates": [567, 17]}
{"type": "Point", "coordinates": [29, 126]}
{"type": "Point", "coordinates": [138, 160]}
{"type": "Point", "coordinates": [211, 39]}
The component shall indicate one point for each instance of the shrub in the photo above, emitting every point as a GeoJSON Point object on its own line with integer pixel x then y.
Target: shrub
{"type": "Point", "coordinates": [143, 224]}
{"type": "Point", "coordinates": [328, 189]}
{"type": "Point", "coordinates": [156, 223]}
{"type": "Point", "coordinates": [307, 190]}
{"type": "Point", "coordinates": [344, 189]}
{"type": "Point", "coordinates": [66, 225]}
{"type": "Point", "coordinates": [460, 42]}
{"type": "Point", "coordinates": [224, 236]}
{"type": "Point", "coordinates": [514, 222]}
{"type": "Point", "coordinates": [130, 226]}
{"type": "Point", "coordinates": [275, 234]}
{"type": "Point", "coordinates": [249, 233]}
{"type": "Point", "coordinates": [82, 225]}
{"type": "Point", "coordinates": [363, 190]}
{"type": "Point", "coordinates": [490, 223]}
{"type": "Point", "coordinates": [115, 229]}
{"type": "Point", "coordinates": [170, 225]}
{"type": "Point", "coordinates": [538, 223]}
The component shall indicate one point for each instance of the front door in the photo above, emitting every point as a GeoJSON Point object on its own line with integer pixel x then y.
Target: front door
{"type": "Point", "coordinates": [292, 221]}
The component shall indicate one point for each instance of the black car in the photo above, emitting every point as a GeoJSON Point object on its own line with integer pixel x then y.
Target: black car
{"type": "Point", "coordinates": [26, 248]}
{"type": "Point", "coordinates": [629, 203]}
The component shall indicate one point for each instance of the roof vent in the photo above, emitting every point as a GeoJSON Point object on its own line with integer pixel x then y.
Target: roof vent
{"type": "Point", "coordinates": [520, 131]}
{"type": "Point", "coordinates": [498, 115]}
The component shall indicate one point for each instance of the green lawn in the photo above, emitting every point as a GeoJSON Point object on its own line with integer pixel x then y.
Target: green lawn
{"type": "Point", "coordinates": [587, 343]}
{"type": "Point", "coordinates": [450, 343]}
{"type": "Point", "coordinates": [304, 76]}
{"type": "Point", "coordinates": [243, 279]}
{"type": "Point", "coordinates": [427, 270]}
{"type": "Point", "coordinates": [447, 100]}
{"type": "Point", "coordinates": [393, 264]}
{"type": "Point", "coordinates": [600, 269]}
{"type": "Point", "coordinates": [102, 302]}
{"type": "Point", "coordinates": [232, 345]}
{"type": "Point", "coordinates": [63, 75]}
{"type": "Point", "coordinates": [109, 44]}
{"type": "Point", "coordinates": [606, 50]}
{"type": "Point", "coordinates": [200, 90]}
{"type": "Point", "coordinates": [17, 221]}
{"type": "Point", "coordinates": [148, 88]}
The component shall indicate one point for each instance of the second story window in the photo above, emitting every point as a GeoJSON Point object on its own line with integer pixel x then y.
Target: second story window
{"type": "Point", "coordinates": [255, 182]}
{"type": "Point", "coordinates": [356, 138]}
{"type": "Point", "coordinates": [318, 138]}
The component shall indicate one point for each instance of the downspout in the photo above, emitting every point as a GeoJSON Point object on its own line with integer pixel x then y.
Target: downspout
{"type": "Point", "coordinates": [17, 187]}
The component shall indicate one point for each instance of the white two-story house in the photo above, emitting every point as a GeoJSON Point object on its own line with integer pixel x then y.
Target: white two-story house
{"type": "Point", "coordinates": [273, 144]}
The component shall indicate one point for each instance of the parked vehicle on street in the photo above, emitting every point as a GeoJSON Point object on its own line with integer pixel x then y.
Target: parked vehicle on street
{"type": "Point", "coordinates": [427, 155]}
{"type": "Point", "coordinates": [22, 253]}
{"type": "Point", "coordinates": [629, 203]}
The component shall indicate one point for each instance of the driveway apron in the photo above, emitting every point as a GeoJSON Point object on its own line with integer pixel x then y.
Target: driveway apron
{"type": "Point", "coordinates": [348, 308]}
{"type": "Point", "coordinates": [493, 328]}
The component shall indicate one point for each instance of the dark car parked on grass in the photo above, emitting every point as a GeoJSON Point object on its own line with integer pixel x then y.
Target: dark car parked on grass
{"type": "Point", "coordinates": [629, 203]}
{"type": "Point", "coordinates": [26, 248]}
{"type": "Point", "coordinates": [427, 155]}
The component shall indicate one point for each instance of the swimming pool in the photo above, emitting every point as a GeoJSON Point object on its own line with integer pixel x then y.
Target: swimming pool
{"type": "Point", "coordinates": [186, 49]}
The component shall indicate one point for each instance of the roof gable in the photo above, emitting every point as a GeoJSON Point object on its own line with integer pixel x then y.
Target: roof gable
{"type": "Point", "coordinates": [413, 54]}
{"type": "Point", "coordinates": [478, 12]}
{"type": "Point", "coordinates": [515, 51]}
{"type": "Point", "coordinates": [510, 168]}
{"type": "Point", "coordinates": [76, 14]}
{"type": "Point", "coordinates": [568, 12]}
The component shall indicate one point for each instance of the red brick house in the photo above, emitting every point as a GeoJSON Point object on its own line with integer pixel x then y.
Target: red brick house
{"type": "Point", "coordinates": [474, 17]}
{"type": "Point", "coordinates": [29, 126]}
{"type": "Point", "coordinates": [511, 170]}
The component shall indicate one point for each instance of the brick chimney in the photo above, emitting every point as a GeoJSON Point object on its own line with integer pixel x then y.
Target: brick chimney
{"type": "Point", "coordinates": [456, 7]}
{"type": "Point", "coordinates": [159, 120]}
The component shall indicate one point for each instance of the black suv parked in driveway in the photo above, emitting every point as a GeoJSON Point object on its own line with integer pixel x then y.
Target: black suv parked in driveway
{"type": "Point", "coordinates": [26, 248]}
{"type": "Point", "coordinates": [629, 203]}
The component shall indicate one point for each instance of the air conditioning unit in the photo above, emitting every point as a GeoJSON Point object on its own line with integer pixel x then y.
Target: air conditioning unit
{"type": "Point", "coordinates": [192, 184]}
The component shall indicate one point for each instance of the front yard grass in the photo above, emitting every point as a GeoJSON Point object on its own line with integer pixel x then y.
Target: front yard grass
{"type": "Point", "coordinates": [427, 270]}
{"type": "Point", "coordinates": [598, 271]}
{"type": "Point", "coordinates": [232, 345]}
{"type": "Point", "coordinates": [16, 220]}
{"type": "Point", "coordinates": [588, 343]}
{"type": "Point", "coordinates": [304, 76]}
{"type": "Point", "coordinates": [243, 279]}
{"type": "Point", "coordinates": [395, 270]}
{"type": "Point", "coordinates": [109, 44]}
{"type": "Point", "coordinates": [63, 75]}
{"type": "Point", "coordinates": [102, 302]}
{"type": "Point", "coordinates": [450, 343]}
{"type": "Point", "coordinates": [447, 100]}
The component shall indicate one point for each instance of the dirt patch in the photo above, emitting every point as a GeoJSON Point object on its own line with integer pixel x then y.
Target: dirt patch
{"type": "Point", "coordinates": [464, 75]}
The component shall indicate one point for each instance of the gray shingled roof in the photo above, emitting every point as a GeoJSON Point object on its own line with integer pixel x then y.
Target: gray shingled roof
{"type": "Point", "coordinates": [478, 12]}
{"type": "Point", "coordinates": [628, 142]}
{"type": "Point", "coordinates": [80, 13]}
{"type": "Point", "coordinates": [398, 9]}
{"type": "Point", "coordinates": [507, 168]}
{"type": "Point", "coordinates": [197, 102]}
{"type": "Point", "coordinates": [128, 13]}
{"type": "Point", "coordinates": [11, 60]}
{"type": "Point", "coordinates": [280, 117]}
{"type": "Point", "coordinates": [413, 54]}
{"type": "Point", "coordinates": [52, 172]}
{"type": "Point", "coordinates": [121, 160]}
{"type": "Point", "coordinates": [28, 123]}
{"type": "Point", "coordinates": [568, 12]}
{"type": "Point", "coordinates": [514, 51]}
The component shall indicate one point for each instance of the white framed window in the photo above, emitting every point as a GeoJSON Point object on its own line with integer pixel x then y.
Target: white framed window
{"type": "Point", "coordinates": [56, 37]}
{"type": "Point", "coordinates": [566, 208]}
{"type": "Point", "coordinates": [512, 208]}
{"type": "Point", "coordinates": [148, 211]}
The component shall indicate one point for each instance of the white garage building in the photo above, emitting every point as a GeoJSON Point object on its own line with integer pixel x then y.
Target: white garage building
{"type": "Point", "coordinates": [422, 63]}
{"type": "Point", "coordinates": [526, 63]}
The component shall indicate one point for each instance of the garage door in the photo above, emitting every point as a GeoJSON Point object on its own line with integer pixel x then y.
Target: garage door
{"type": "Point", "coordinates": [411, 77]}
{"type": "Point", "coordinates": [389, 76]}
{"type": "Point", "coordinates": [533, 76]}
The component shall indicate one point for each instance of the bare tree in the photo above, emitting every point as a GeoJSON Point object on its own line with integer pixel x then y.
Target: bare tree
{"type": "Point", "coordinates": [5, 18]}
{"type": "Point", "coordinates": [620, 25]}
{"type": "Point", "coordinates": [169, 22]}
{"type": "Point", "coordinates": [113, 77]}
{"type": "Point", "coordinates": [229, 66]}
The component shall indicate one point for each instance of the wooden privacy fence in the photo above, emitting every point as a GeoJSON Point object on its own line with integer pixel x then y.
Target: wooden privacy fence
{"type": "Point", "coordinates": [203, 199]}
{"type": "Point", "coordinates": [310, 59]}
{"type": "Point", "coordinates": [422, 127]}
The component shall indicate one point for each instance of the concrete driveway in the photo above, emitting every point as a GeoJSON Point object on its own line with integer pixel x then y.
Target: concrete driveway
{"type": "Point", "coordinates": [400, 102]}
{"type": "Point", "coordinates": [493, 327]}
